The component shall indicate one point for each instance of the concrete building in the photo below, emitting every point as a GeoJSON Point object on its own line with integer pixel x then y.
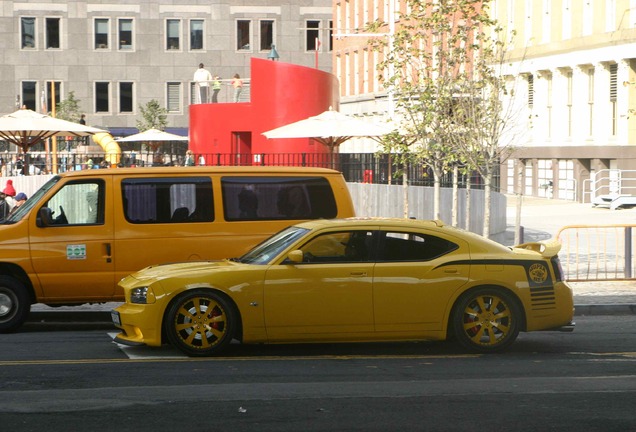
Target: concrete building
{"type": "Point", "coordinates": [573, 63]}
{"type": "Point", "coordinates": [572, 76]}
{"type": "Point", "coordinates": [117, 56]}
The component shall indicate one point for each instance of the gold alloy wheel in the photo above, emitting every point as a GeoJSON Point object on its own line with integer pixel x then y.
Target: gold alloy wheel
{"type": "Point", "coordinates": [486, 320]}
{"type": "Point", "coordinates": [200, 323]}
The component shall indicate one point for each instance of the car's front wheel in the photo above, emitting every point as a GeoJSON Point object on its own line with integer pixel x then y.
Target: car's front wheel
{"type": "Point", "coordinates": [200, 323]}
{"type": "Point", "coordinates": [486, 320]}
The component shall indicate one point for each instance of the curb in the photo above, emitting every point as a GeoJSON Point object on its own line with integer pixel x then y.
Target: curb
{"type": "Point", "coordinates": [605, 309]}
{"type": "Point", "coordinates": [43, 317]}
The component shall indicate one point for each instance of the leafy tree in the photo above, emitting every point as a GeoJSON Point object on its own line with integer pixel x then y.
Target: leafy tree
{"type": "Point", "coordinates": [438, 68]}
{"type": "Point", "coordinates": [153, 116]}
{"type": "Point", "coordinates": [68, 109]}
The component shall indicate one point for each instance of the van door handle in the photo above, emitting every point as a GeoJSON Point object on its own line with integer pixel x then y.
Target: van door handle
{"type": "Point", "coordinates": [108, 255]}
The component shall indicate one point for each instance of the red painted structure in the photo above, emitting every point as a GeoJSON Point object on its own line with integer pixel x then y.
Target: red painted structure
{"type": "Point", "coordinates": [281, 93]}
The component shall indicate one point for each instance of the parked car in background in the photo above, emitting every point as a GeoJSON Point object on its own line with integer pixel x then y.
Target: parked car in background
{"type": "Point", "coordinates": [359, 279]}
{"type": "Point", "coordinates": [83, 231]}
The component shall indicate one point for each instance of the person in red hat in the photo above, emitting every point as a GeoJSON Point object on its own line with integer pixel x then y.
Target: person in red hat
{"type": "Point", "coordinates": [8, 190]}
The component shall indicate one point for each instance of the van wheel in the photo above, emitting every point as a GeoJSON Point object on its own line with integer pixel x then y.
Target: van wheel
{"type": "Point", "coordinates": [486, 320]}
{"type": "Point", "coordinates": [14, 304]}
{"type": "Point", "coordinates": [200, 323]}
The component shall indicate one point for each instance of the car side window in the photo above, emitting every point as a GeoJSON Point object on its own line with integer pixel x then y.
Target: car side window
{"type": "Point", "coordinates": [247, 198]}
{"type": "Point", "coordinates": [339, 247]}
{"type": "Point", "coordinates": [399, 246]}
{"type": "Point", "coordinates": [78, 203]}
{"type": "Point", "coordinates": [168, 200]}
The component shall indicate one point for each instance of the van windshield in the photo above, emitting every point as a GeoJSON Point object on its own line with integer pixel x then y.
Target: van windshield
{"type": "Point", "coordinates": [273, 246]}
{"type": "Point", "coordinates": [32, 201]}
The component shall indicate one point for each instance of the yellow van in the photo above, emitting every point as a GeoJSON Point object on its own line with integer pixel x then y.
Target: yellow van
{"type": "Point", "coordinates": [83, 231]}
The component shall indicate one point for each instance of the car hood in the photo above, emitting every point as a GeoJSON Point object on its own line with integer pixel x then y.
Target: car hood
{"type": "Point", "coordinates": [172, 270]}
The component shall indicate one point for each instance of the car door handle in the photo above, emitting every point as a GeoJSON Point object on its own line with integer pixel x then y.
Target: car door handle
{"type": "Point", "coordinates": [358, 273]}
{"type": "Point", "coordinates": [450, 270]}
{"type": "Point", "coordinates": [108, 252]}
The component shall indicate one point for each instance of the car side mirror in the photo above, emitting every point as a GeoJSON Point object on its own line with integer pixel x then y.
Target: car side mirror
{"type": "Point", "coordinates": [295, 256]}
{"type": "Point", "coordinates": [44, 218]}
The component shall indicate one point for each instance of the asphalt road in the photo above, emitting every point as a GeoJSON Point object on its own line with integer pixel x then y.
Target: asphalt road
{"type": "Point", "coordinates": [61, 379]}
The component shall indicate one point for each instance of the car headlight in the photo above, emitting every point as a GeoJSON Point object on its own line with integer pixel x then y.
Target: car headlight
{"type": "Point", "coordinates": [142, 295]}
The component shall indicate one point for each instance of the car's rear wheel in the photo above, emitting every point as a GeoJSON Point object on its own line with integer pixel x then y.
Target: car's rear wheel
{"type": "Point", "coordinates": [486, 320]}
{"type": "Point", "coordinates": [200, 323]}
{"type": "Point", "coordinates": [14, 304]}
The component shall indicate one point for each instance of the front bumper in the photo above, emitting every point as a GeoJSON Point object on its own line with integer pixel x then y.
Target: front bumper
{"type": "Point", "coordinates": [140, 324]}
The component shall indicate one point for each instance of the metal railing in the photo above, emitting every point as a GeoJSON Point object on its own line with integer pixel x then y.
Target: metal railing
{"type": "Point", "coordinates": [609, 182]}
{"type": "Point", "coordinates": [597, 252]}
{"type": "Point", "coordinates": [356, 167]}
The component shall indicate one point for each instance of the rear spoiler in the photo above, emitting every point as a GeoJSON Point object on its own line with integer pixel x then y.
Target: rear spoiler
{"type": "Point", "coordinates": [547, 249]}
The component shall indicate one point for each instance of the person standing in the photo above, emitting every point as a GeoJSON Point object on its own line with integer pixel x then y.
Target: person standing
{"type": "Point", "coordinates": [237, 83]}
{"type": "Point", "coordinates": [19, 200]}
{"type": "Point", "coordinates": [83, 119]}
{"type": "Point", "coordinates": [216, 88]}
{"type": "Point", "coordinates": [8, 190]}
{"type": "Point", "coordinates": [202, 78]}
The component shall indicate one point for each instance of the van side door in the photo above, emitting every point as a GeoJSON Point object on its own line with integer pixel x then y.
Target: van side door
{"type": "Point", "coordinates": [71, 245]}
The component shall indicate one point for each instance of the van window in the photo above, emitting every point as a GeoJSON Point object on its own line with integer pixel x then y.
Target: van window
{"type": "Point", "coordinates": [268, 198]}
{"type": "Point", "coordinates": [78, 203]}
{"type": "Point", "coordinates": [168, 200]}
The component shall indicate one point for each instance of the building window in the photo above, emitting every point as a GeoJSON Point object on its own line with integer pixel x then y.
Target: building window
{"type": "Point", "coordinates": [590, 100]}
{"type": "Point", "coordinates": [196, 35]}
{"type": "Point", "coordinates": [102, 26]}
{"type": "Point", "coordinates": [27, 32]}
{"type": "Point", "coordinates": [266, 34]}
{"type": "Point", "coordinates": [102, 94]}
{"type": "Point", "coordinates": [47, 103]}
{"type": "Point", "coordinates": [173, 97]}
{"type": "Point", "coordinates": [125, 31]}
{"type": "Point", "coordinates": [549, 105]}
{"type": "Point", "coordinates": [126, 97]}
{"type": "Point", "coordinates": [613, 92]}
{"type": "Point", "coordinates": [52, 33]}
{"type": "Point", "coordinates": [312, 32]}
{"type": "Point", "coordinates": [530, 91]}
{"type": "Point", "coordinates": [243, 36]}
{"type": "Point", "coordinates": [194, 94]}
{"type": "Point", "coordinates": [330, 35]}
{"type": "Point", "coordinates": [173, 31]}
{"type": "Point", "coordinates": [566, 32]}
{"type": "Point", "coordinates": [568, 76]}
{"type": "Point", "coordinates": [588, 17]}
{"type": "Point", "coordinates": [29, 89]}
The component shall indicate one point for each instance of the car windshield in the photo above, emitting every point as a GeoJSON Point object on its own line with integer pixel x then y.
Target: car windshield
{"type": "Point", "coordinates": [273, 246]}
{"type": "Point", "coordinates": [31, 202]}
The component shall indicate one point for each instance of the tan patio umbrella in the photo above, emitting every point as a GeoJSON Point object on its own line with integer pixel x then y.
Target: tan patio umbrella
{"type": "Point", "coordinates": [331, 128]}
{"type": "Point", "coordinates": [26, 128]}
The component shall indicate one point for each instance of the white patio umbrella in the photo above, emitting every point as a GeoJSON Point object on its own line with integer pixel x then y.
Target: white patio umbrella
{"type": "Point", "coordinates": [331, 128]}
{"type": "Point", "coordinates": [26, 128]}
{"type": "Point", "coordinates": [153, 135]}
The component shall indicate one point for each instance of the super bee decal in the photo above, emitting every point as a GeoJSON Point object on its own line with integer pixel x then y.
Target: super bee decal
{"type": "Point", "coordinates": [537, 272]}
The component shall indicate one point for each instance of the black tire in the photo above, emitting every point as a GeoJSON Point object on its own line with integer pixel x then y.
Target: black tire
{"type": "Point", "coordinates": [486, 320]}
{"type": "Point", "coordinates": [200, 323]}
{"type": "Point", "coordinates": [14, 304]}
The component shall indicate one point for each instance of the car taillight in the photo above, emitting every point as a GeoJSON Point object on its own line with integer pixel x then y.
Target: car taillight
{"type": "Point", "coordinates": [558, 270]}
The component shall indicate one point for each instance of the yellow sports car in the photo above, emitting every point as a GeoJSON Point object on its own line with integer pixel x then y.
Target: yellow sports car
{"type": "Point", "coordinates": [351, 280]}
